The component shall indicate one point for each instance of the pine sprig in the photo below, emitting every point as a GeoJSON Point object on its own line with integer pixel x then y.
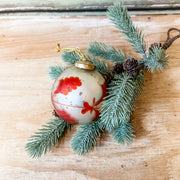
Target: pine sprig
{"type": "Point", "coordinates": [119, 16]}
{"type": "Point", "coordinates": [85, 139]}
{"type": "Point", "coordinates": [157, 59]}
{"type": "Point", "coordinates": [106, 52]}
{"type": "Point", "coordinates": [124, 133]}
{"type": "Point", "coordinates": [70, 57]}
{"type": "Point", "coordinates": [138, 85]}
{"type": "Point", "coordinates": [101, 67]}
{"type": "Point", "coordinates": [55, 71]}
{"type": "Point", "coordinates": [47, 137]}
{"type": "Point", "coordinates": [118, 106]}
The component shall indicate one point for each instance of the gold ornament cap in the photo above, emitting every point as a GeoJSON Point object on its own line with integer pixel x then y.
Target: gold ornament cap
{"type": "Point", "coordinates": [85, 64]}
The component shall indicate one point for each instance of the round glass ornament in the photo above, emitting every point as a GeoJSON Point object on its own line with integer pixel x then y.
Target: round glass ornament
{"type": "Point", "coordinates": [77, 95]}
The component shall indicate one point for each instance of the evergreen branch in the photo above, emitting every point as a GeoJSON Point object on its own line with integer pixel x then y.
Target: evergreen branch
{"type": "Point", "coordinates": [118, 106]}
{"type": "Point", "coordinates": [118, 14]}
{"type": "Point", "coordinates": [55, 71]}
{"type": "Point", "coordinates": [106, 52]}
{"type": "Point", "coordinates": [47, 137]}
{"type": "Point", "coordinates": [101, 67]}
{"type": "Point", "coordinates": [70, 57]}
{"type": "Point", "coordinates": [138, 85]}
{"type": "Point", "coordinates": [85, 139]}
{"type": "Point", "coordinates": [156, 60]}
{"type": "Point", "coordinates": [124, 133]}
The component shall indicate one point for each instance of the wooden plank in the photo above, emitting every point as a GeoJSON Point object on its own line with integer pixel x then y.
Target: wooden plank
{"type": "Point", "coordinates": [83, 5]}
{"type": "Point", "coordinates": [27, 49]}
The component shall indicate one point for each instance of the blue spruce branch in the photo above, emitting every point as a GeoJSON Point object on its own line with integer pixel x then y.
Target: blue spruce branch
{"type": "Point", "coordinates": [106, 52]}
{"type": "Point", "coordinates": [47, 137]}
{"type": "Point", "coordinates": [118, 14]}
{"type": "Point", "coordinates": [70, 57]}
{"type": "Point", "coordinates": [85, 139]}
{"type": "Point", "coordinates": [118, 106]}
{"type": "Point", "coordinates": [123, 133]}
{"type": "Point", "coordinates": [101, 67]}
{"type": "Point", "coordinates": [55, 71]}
{"type": "Point", "coordinates": [157, 59]}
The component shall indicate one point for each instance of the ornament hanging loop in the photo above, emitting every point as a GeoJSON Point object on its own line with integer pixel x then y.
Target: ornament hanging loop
{"type": "Point", "coordinates": [83, 63]}
{"type": "Point", "coordinates": [76, 50]}
{"type": "Point", "coordinates": [170, 40]}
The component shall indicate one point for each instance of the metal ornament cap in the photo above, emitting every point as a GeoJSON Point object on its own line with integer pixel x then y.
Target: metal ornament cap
{"type": "Point", "coordinates": [85, 64]}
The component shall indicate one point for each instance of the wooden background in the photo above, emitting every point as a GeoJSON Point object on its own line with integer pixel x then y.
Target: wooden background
{"type": "Point", "coordinates": [27, 49]}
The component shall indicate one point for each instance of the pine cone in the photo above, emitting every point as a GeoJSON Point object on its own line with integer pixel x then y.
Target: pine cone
{"type": "Point", "coordinates": [117, 69]}
{"type": "Point", "coordinates": [130, 64]}
{"type": "Point", "coordinates": [158, 45]}
{"type": "Point", "coordinates": [108, 77]}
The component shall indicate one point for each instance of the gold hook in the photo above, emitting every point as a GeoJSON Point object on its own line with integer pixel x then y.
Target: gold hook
{"type": "Point", "coordinates": [76, 50]}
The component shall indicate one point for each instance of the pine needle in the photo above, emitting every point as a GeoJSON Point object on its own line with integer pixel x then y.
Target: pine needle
{"type": "Point", "coordinates": [47, 137]}
{"type": "Point", "coordinates": [101, 67]}
{"type": "Point", "coordinates": [157, 59]}
{"type": "Point", "coordinates": [123, 134]}
{"type": "Point", "coordinates": [55, 71]}
{"type": "Point", "coordinates": [85, 139]}
{"type": "Point", "coordinates": [106, 52]}
{"type": "Point", "coordinates": [138, 84]}
{"type": "Point", "coordinates": [118, 106]}
{"type": "Point", "coordinates": [70, 57]}
{"type": "Point", "coordinates": [118, 14]}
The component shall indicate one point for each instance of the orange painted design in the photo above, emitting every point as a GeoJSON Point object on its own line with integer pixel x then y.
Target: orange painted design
{"type": "Point", "coordinates": [67, 85]}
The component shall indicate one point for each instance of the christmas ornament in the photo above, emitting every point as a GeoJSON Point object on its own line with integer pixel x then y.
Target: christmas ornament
{"type": "Point", "coordinates": [79, 92]}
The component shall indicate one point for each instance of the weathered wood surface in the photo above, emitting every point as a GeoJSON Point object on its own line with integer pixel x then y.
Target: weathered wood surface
{"type": "Point", "coordinates": [27, 49]}
{"type": "Point", "coordinates": [57, 5]}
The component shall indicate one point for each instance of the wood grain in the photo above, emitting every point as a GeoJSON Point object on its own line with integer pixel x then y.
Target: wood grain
{"type": "Point", "coordinates": [27, 49]}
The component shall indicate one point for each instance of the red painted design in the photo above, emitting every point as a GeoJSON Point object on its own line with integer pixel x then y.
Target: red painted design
{"type": "Point", "coordinates": [66, 116]}
{"type": "Point", "coordinates": [67, 85]}
{"type": "Point", "coordinates": [87, 107]}
{"type": "Point", "coordinates": [104, 86]}
{"type": "Point", "coordinates": [67, 105]}
{"type": "Point", "coordinates": [94, 107]}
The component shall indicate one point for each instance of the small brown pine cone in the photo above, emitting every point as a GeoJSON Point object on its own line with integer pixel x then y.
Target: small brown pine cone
{"type": "Point", "coordinates": [108, 77]}
{"type": "Point", "coordinates": [158, 45]}
{"type": "Point", "coordinates": [117, 69]}
{"type": "Point", "coordinates": [130, 64]}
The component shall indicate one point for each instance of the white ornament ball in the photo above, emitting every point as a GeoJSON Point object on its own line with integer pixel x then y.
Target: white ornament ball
{"type": "Point", "coordinates": [77, 95]}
